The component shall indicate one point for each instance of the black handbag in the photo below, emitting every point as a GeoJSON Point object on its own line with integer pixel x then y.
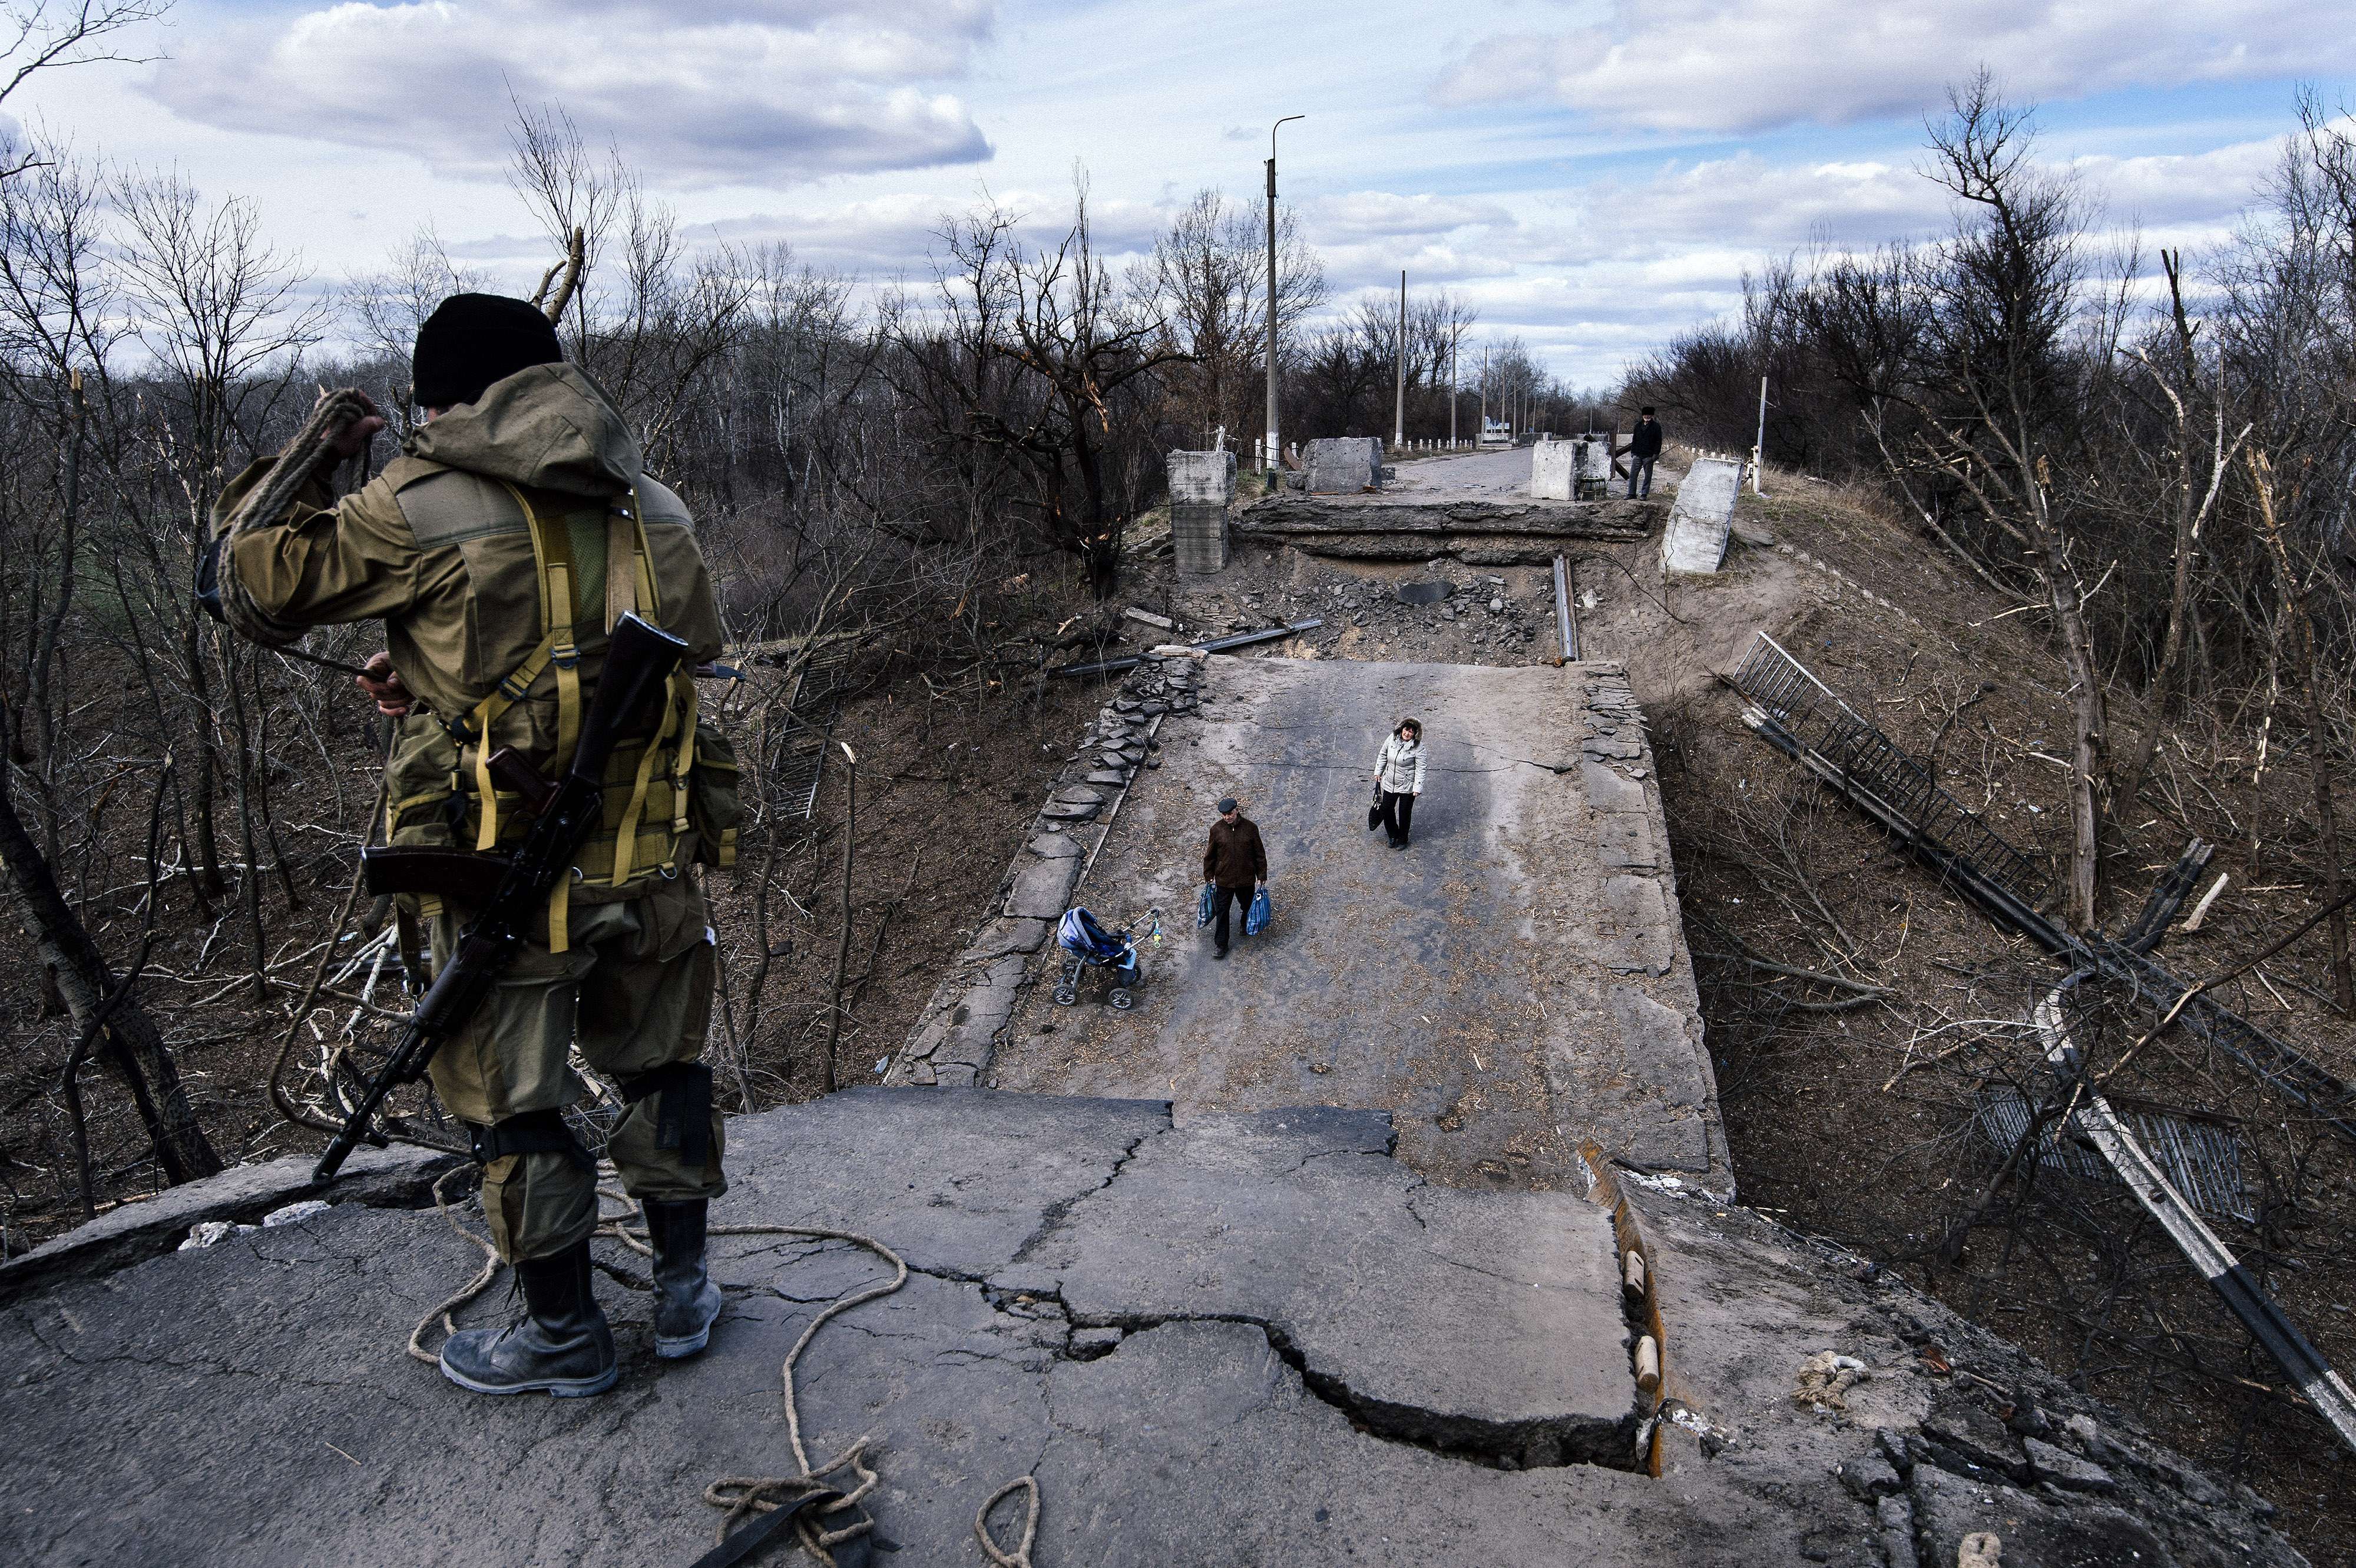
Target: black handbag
{"type": "Point", "coordinates": [1375, 812]}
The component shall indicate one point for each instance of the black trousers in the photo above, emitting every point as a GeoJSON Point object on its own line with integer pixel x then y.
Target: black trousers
{"type": "Point", "coordinates": [1398, 810]}
{"type": "Point", "coordinates": [1220, 899]}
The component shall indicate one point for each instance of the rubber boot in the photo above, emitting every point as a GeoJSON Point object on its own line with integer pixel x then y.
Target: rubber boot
{"type": "Point", "coordinates": [686, 1300]}
{"type": "Point", "coordinates": [561, 1346]}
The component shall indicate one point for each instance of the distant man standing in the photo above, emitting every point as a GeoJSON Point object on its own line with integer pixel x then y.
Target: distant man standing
{"type": "Point", "coordinates": [1233, 863]}
{"type": "Point", "coordinates": [1644, 449]}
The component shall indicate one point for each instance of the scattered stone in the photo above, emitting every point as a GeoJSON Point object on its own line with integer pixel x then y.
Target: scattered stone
{"type": "Point", "coordinates": [2065, 1470]}
{"type": "Point", "coordinates": [1869, 1476]}
{"type": "Point", "coordinates": [212, 1233]}
{"type": "Point", "coordinates": [1895, 1518]}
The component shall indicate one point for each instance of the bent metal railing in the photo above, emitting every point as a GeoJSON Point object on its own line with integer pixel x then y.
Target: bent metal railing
{"type": "Point", "coordinates": [1800, 716]}
{"type": "Point", "coordinates": [1815, 716]}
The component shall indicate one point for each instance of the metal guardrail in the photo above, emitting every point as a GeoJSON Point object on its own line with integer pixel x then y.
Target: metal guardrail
{"type": "Point", "coordinates": [1819, 720]}
{"type": "Point", "coordinates": [1800, 716]}
{"type": "Point", "coordinates": [2203, 1159]}
{"type": "Point", "coordinates": [2145, 1177]}
{"type": "Point", "coordinates": [816, 703]}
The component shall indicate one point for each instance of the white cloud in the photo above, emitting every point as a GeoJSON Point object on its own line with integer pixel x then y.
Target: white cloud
{"type": "Point", "coordinates": [776, 93]}
{"type": "Point", "coordinates": [1736, 66]}
{"type": "Point", "coordinates": [1362, 215]}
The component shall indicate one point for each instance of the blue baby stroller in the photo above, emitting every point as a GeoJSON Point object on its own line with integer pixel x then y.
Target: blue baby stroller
{"type": "Point", "coordinates": [1087, 945]}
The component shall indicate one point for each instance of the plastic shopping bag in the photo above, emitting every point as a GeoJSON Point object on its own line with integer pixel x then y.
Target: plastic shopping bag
{"type": "Point", "coordinates": [1203, 907]}
{"type": "Point", "coordinates": [1256, 918]}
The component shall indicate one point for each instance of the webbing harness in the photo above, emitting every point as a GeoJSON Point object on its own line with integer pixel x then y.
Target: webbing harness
{"type": "Point", "coordinates": [629, 588]}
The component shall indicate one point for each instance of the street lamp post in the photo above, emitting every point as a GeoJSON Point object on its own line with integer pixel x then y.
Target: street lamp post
{"type": "Point", "coordinates": [1398, 408]}
{"type": "Point", "coordinates": [1275, 451]}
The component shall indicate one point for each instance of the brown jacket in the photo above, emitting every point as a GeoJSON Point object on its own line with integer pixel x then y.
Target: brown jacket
{"type": "Point", "coordinates": [1235, 858]}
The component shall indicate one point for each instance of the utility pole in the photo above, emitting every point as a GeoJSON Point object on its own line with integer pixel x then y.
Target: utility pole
{"type": "Point", "coordinates": [1759, 452]}
{"type": "Point", "coordinates": [1455, 370]}
{"type": "Point", "coordinates": [1275, 450]}
{"type": "Point", "coordinates": [1398, 407]}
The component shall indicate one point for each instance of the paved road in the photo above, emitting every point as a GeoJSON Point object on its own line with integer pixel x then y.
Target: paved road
{"type": "Point", "coordinates": [1513, 983]}
{"type": "Point", "coordinates": [1482, 476]}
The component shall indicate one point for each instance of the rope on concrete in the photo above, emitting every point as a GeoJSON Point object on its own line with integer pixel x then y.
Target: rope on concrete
{"type": "Point", "coordinates": [474, 1287]}
{"type": "Point", "coordinates": [1020, 1556]}
{"type": "Point", "coordinates": [745, 1496]}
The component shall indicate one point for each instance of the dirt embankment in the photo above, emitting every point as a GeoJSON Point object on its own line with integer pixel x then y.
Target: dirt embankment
{"type": "Point", "coordinates": [1860, 1107]}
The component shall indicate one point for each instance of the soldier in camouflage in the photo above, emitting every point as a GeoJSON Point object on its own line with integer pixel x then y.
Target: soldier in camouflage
{"type": "Point", "coordinates": [499, 549]}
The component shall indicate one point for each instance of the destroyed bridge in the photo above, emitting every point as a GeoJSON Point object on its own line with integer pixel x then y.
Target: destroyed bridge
{"type": "Point", "coordinates": [1407, 1235]}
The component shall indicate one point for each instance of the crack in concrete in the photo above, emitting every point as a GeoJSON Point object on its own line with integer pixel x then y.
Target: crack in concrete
{"type": "Point", "coordinates": [1549, 1441]}
{"type": "Point", "coordinates": [1051, 1217]}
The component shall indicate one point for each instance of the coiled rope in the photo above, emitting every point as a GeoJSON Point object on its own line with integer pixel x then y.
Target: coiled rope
{"type": "Point", "coordinates": [745, 1496]}
{"type": "Point", "coordinates": [304, 457]}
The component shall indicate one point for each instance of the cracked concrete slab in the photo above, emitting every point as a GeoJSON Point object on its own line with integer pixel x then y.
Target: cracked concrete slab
{"type": "Point", "coordinates": [1206, 1341]}
{"type": "Point", "coordinates": [1041, 887]}
{"type": "Point", "coordinates": [251, 1404]}
{"type": "Point", "coordinates": [395, 1178]}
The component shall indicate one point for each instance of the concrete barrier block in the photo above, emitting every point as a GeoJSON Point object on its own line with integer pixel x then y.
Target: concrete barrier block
{"type": "Point", "coordinates": [1198, 537]}
{"type": "Point", "coordinates": [1695, 539]}
{"type": "Point", "coordinates": [1205, 478]}
{"type": "Point", "coordinates": [1554, 471]}
{"type": "Point", "coordinates": [1343, 465]}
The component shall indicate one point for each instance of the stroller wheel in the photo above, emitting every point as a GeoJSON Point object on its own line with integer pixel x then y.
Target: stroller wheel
{"type": "Point", "coordinates": [1065, 995]}
{"type": "Point", "coordinates": [1122, 998]}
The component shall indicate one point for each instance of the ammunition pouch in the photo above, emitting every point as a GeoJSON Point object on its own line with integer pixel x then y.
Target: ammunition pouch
{"type": "Point", "coordinates": [715, 806]}
{"type": "Point", "coordinates": [532, 1132]}
{"type": "Point", "coordinates": [684, 1121]}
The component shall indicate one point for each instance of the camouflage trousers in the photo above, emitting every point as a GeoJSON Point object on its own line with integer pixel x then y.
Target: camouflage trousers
{"type": "Point", "coordinates": [633, 993]}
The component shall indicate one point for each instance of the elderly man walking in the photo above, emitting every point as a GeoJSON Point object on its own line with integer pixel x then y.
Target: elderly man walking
{"type": "Point", "coordinates": [1233, 862]}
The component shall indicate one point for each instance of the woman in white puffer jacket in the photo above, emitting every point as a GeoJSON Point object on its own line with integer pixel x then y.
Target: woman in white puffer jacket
{"type": "Point", "coordinates": [1398, 773]}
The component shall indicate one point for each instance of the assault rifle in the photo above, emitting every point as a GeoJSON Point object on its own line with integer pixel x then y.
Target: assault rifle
{"type": "Point", "coordinates": [509, 891]}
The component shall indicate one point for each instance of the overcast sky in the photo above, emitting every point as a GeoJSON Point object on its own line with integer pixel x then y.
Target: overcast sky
{"type": "Point", "coordinates": [1593, 175]}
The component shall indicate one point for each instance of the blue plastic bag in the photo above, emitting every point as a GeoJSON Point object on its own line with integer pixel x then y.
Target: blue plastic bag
{"type": "Point", "coordinates": [1203, 907]}
{"type": "Point", "coordinates": [1256, 918]}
